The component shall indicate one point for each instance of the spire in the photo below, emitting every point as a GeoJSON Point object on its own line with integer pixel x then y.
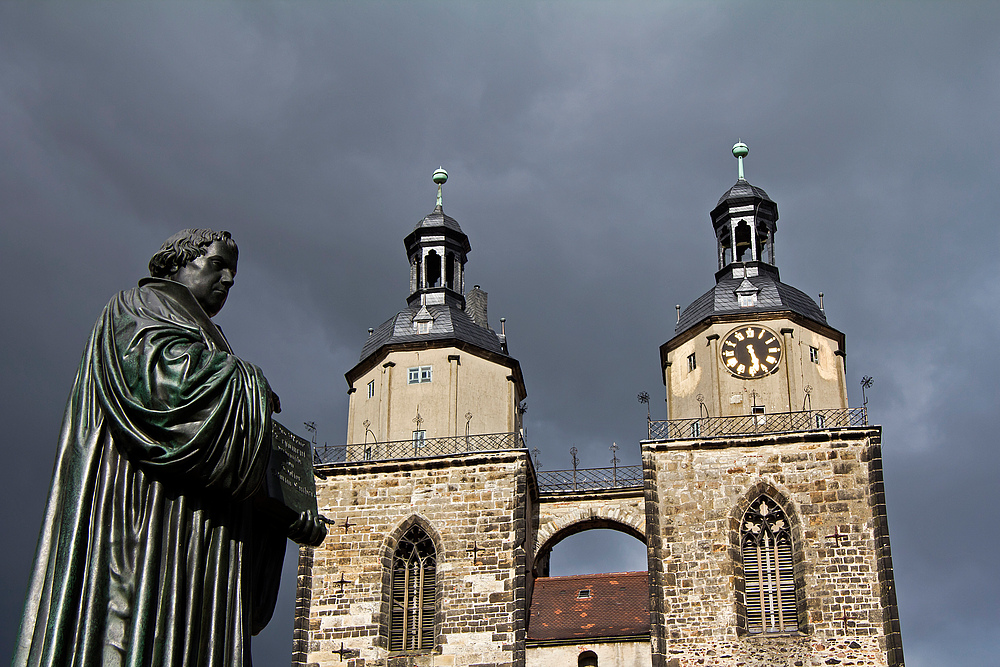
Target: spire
{"type": "Point", "coordinates": [740, 151]}
{"type": "Point", "coordinates": [440, 177]}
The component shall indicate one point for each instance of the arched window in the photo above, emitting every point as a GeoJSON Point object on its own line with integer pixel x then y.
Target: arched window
{"type": "Point", "coordinates": [587, 659]}
{"type": "Point", "coordinates": [743, 243]}
{"type": "Point", "coordinates": [449, 271]}
{"type": "Point", "coordinates": [433, 268]}
{"type": "Point", "coordinates": [411, 612]}
{"type": "Point", "coordinates": [768, 572]}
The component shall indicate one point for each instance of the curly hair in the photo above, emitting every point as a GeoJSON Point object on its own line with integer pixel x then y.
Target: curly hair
{"type": "Point", "coordinates": [185, 246]}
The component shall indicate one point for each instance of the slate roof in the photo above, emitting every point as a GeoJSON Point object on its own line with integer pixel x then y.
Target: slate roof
{"type": "Point", "coordinates": [773, 295]}
{"type": "Point", "coordinates": [449, 323]}
{"type": "Point", "coordinates": [618, 605]}
{"type": "Point", "coordinates": [743, 190]}
{"type": "Point", "coordinates": [438, 219]}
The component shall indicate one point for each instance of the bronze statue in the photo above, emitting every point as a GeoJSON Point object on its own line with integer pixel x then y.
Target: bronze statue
{"type": "Point", "coordinates": [153, 550]}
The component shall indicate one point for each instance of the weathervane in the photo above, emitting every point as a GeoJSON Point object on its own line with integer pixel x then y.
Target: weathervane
{"type": "Point", "coordinates": [866, 383]}
{"type": "Point", "coordinates": [644, 398]}
{"type": "Point", "coordinates": [440, 177]}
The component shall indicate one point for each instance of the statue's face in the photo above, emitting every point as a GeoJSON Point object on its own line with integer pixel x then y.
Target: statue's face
{"type": "Point", "coordinates": [210, 276]}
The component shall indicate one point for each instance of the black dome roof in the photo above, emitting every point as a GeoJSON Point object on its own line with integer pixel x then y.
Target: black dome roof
{"type": "Point", "coordinates": [744, 190]}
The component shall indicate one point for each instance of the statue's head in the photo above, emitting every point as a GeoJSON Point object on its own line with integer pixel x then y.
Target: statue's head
{"type": "Point", "coordinates": [203, 260]}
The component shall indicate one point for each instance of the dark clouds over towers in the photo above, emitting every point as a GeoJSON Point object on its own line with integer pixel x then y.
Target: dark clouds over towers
{"type": "Point", "coordinates": [586, 145]}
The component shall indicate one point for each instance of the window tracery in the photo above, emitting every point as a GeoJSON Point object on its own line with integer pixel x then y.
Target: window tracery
{"type": "Point", "coordinates": [412, 582]}
{"type": "Point", "coordinates": [768, 569]}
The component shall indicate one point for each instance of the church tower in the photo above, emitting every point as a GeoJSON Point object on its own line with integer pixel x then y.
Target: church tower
{"type": "Point", "coordinates": [435, 369]}
{"type": "Point", "coordinates": [766, 524]}
{"type": "Point", "coordinates": [429, 501]}
{"type": "Point", "coordinates": [760, 499]}
{"type": "Point", "coordinates": [752, 344]}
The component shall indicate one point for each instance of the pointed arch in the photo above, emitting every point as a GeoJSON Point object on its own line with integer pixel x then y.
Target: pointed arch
{"type": "Point", "coordinates": [765, 535]}
{"type": "Point", "coordinates": [411, 557]}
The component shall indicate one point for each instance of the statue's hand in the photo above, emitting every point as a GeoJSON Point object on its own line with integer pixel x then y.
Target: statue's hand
{"type": "Point", "coordinates": [274, 401]}
{"type": "Point", "coordinates": [309, 529]}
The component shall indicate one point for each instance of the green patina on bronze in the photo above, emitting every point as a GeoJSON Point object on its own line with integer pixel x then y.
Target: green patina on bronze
{"type": "Point", "coordinates": [152, 551]}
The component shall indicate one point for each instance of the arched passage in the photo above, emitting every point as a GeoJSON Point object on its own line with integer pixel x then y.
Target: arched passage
{"type": "Point", "coordinates": [560, 518]}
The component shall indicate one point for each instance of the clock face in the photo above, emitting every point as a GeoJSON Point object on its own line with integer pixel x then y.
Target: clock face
{"type": "Point", "coordinates": [751, 352]}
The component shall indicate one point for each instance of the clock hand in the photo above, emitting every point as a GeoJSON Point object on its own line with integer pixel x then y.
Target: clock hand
{"type": "Point", "coordinates": [756, 362]}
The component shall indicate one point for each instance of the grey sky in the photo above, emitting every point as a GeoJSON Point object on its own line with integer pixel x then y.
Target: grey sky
{"type": "Point", "coordinates": [587, 143]}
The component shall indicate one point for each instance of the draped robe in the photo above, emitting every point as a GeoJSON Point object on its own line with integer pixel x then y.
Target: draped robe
{"type": "Point", "coordinates": [151, 552]}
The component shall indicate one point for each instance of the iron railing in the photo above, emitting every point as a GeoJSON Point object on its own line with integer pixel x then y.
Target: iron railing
{"type": "Point", "coordinates": [589, 479]}
{"type": "Point", "coordinates": [775, 422]}
{"type": "Point", "coordinates": [418, 448]}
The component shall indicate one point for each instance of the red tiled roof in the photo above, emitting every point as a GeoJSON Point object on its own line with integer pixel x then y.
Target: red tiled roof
{"type": "Point", "coordinates": [589, 605]}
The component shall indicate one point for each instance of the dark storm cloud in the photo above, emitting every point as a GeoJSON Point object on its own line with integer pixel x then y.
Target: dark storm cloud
{"type": "Point", "coordinates": [586, 145]}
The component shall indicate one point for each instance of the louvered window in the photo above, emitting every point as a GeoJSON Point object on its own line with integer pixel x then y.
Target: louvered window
{"type": "Point", "coordinates": [768, 572]}
{"type": "Point", "coordinates": [411, 615]}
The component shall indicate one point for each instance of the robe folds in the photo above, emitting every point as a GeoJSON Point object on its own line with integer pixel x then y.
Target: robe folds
{"type": "Point", "coordinates": [151, 552]}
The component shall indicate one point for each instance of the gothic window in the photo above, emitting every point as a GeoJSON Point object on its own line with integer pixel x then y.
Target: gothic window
{"type": "Point", "coordinates": [768, 573]}
{"type": "Point", "coordinates": [411, 613]}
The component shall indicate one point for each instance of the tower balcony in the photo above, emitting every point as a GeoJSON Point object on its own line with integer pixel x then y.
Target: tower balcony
{"type": "Point", "coordinates": [775, 422]}
{"type": "Point", "coordinates": [418, 448]}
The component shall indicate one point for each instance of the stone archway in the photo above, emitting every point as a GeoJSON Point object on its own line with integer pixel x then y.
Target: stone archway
{"type": "Point", "coordinates": [560, 517]}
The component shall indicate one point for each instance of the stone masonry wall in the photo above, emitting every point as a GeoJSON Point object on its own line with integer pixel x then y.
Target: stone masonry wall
{"type": "Point", "coordinates": [697, 491]}
{"type": "Point", "coordinates": [473, 508]}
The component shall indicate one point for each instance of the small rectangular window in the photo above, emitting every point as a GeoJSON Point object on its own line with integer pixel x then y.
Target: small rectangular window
{"type": "Point", "coordinates": [814, 354]}
{"type": "Point", "coordinates": [820, 421]}
{"type": "Point", "coordinates": [696, 429]}
{"type": "Point", "coordinates": [371, 389]}
{"type": "Point", "coordinates": [757, 409]}
{"type": "Point", "coordinates": [418, 438]}
{"type": "Point", "coordinates": [418, 374]}
{"type": "Point", "coordinates": [583, 594]}
{"type": "Point", "coordinates": [692, 362]}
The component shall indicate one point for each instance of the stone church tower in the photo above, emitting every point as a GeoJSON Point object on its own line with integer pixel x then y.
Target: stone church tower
{"type": "Point", "coordinates": [766, 522]}
{"type": "Point", "coordinates": [425, 561]}
{"type": "Point", "coordinates": [760, 500]}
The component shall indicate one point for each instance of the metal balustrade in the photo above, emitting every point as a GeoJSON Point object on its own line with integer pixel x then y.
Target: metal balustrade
{"type": "Point", "coordinates": [589, 479]}
{"type": "Point", "coordinates": [418, 448]}
{"type": "Point", "coordinates": [775, 422]}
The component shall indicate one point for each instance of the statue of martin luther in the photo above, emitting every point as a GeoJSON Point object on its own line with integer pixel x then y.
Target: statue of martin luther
{"type": "Point", "coordinates": [153, 550]}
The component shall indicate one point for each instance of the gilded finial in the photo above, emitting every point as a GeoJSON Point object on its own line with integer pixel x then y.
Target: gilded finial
{"type": "Point", "coordinates": [740, 151]}
{"type": "Point", "coordinates": [440, 177]}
